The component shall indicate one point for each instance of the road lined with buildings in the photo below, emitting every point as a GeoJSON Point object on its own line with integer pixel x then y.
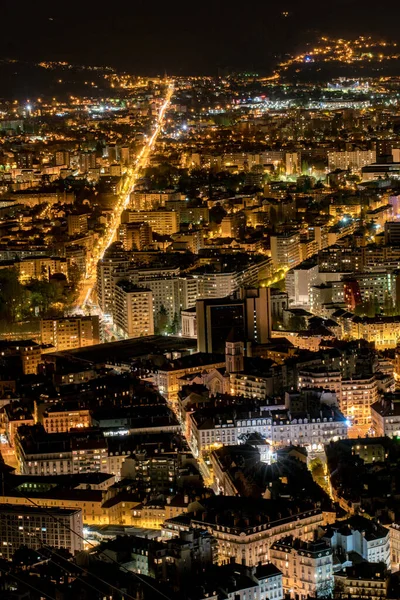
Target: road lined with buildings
{"type": "Point", "coordinates": [133, 174]}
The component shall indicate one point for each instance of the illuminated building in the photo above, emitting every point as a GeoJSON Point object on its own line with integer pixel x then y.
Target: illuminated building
{"type": "Point", "coordinates": [29, 352]}
{"type": "Point", "coordinates": [276, 425]}
{"type": "Point", "coordinates": [132, 309]}
{"type": "Point", "coordinates": [385, 416]}
{"type": "Point", "coordinates": [135, 236]}
{"type": "Point", "coordinates": [250, 317]}
{"type": "Point", "coordinates": [257, 525]}
{"type": "Point", "coordinates": [353, 160]}
{"type": "Point", "coordinates": [70, 332]}
{"type": "Point", "coordinates": [285, 250]}
{"type": "Point", "coordinates": [163, 222]}
{"type": "Point", "coordinates": [356, 398]}
{"type": "Point", "coordinates": [37, 527]}
{"type": "Point", "coordinates": [307, 567]}
{"type": "Point", "coordinates": [77, 224]}
{"type": "Point", "coordinates": [40, 268]}
{"type": "Point", "coordinates": [60, 418]}
{"type": "Point", "coordinates": [383, 331]}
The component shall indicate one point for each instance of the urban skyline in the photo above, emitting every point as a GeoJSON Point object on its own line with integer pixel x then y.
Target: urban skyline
{"type": "Point", "coordinates": [200, 303]}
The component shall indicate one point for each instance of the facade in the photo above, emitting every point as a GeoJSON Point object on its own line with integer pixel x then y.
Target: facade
{"type": "Point", "coordinates": [40, 268]}
{"type": "Point", "coordinates": [285, 250]}
{"type": "Point", "coordinates": [77, 224]}
{"type": "Point", "coordinates": [307, 567]}
{"type": "Point", "coordinates": [278, 427]}
{"type": "Point", "coordinates": [354, 160]}
{"type": "Point", "coordinates": [385, 416]}
{"type": "Point", "coordinates": [57, 419]}
{"type": "Point", "coordinates": [383, 331]}
{"type": "Point", "coordinates": [356, 398]}
{"type": "Point", "coordinates": [135, 236]}
{"type": "Point", "coordinates": [132, 310]}
{"type": "Point", "coordinates": [250, 318]}
{"type": "Point", "coordinates": [35, 527]}
{"type": "Point", "coordinates": [70, 332]}
{"type": "Point", "coordinates": [247, 539]}
{"type": "Point", "coordinates": [163, 222]}
{"type": "Point", "coordinates": [367, 538]}
{"type": "Point", "coordinates": [41, 453]}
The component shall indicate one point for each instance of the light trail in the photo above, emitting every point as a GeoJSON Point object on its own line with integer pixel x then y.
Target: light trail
{"type": "Point", "coordinates": [133, 174]}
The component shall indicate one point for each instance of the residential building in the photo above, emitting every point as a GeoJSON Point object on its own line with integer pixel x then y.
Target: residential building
{"type": "Point", "coordinates": [285, 250]}
{"type": "Point", "coordinates": [307, 567]}
{"type": "Point", "coordinates": [245, 531]}
{"type": "Point", "coordinates": [132, 310]}
{"type": "Point", "coordinates": [70, 332]}
{"type": "Point", "coordinates": [36, 527]}
{"type": "Point", "coordinates": [163, 222]}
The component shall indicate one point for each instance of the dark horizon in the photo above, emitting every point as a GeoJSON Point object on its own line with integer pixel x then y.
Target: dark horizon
{"type": "Point", "coordinates": [153, 38]}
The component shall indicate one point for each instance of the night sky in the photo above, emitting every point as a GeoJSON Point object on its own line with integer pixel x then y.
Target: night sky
{"type": "Point", "coordinates": [184, 37]}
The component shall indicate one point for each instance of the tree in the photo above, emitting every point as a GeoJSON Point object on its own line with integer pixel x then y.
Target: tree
{"type": "Point", "coordinates": [162, 319]}
{"type": "Point", "coordinates": [175, 325]}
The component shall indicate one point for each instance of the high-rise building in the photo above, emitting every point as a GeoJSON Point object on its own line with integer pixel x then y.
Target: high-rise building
{"type": "Point", "coordinates": [62, 158]}
{"type": "Point", "coordinates": [249, 317]}
{"type": "Point", "coordinates": [87, 160]}
{"type": "Point", "coordinates": [354, 160]}
{"type": "Point", "coordinates": [37, 527]}
{"type": "Point", "coordinates": [125, 155]}
{"type": "Point", "coordinates": [132, 309]}
{"type": "Point", "coordinates": [285, 250]}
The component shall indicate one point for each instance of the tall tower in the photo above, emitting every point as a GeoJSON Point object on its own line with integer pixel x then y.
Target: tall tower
{"type": "Point", "coordinates": [234, 354]}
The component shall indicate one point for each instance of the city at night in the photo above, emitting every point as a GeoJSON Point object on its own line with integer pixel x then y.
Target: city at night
{"type": "Point", "coordinates": [200, 301]}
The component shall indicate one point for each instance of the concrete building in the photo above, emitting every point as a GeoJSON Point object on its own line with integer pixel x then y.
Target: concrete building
{"type": "Point", "coordinates": [70, 332]}
{"type": "Point", "coordinates": [285, 250]}
{"type": "Point", "coordinates": [37, 527]}
{"type": "Point", "coordinates": [135, 236]}
{"type": "Point", "coordinates": [307, 567]}
{"type": "Point", "coordinates": [163, 222]}
{"type": "Point", "coordinates": [77, 224]}
{"type": "Point", "coordinates": [250, 317]}
{"type": "Point", "coordinates": [353, 160]}
{"type": "Point", "coordinates": [40, 268]}
{"type": "Point", "coordinates": [132, 310]}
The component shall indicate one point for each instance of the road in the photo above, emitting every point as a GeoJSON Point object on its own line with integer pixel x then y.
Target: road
{"type": "Point", "coordinates": [133, 174]}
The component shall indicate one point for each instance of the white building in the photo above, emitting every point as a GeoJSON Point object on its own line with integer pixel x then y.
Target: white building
{"type": "Point", "coordinates": [354, 160]}
{"type": "Point", "coordinates": [132, 310]}
{"type": "Point", "coordinates": [307, 567]}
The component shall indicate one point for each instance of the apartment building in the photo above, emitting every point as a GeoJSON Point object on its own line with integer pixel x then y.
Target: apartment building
{"type": "Point", "coordinates": [132, 310]}
{"type": "Point", "coordinates": [163, 222]}
{"type": "Point", "coordinates": [70, 332]}
{"type": "Point", "coordinates": [307, 567]}
{"type": "Point", "coordinates": [36, 527]}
